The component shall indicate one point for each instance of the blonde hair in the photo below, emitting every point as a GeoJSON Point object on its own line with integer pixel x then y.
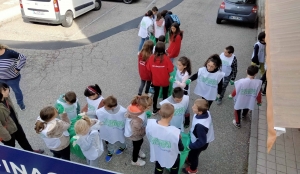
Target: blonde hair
{"type": "Point", "coordinates": [144, 101]}
{"type": "Point", "coordinates": [166, 110]}
{"type": "Point", "coordinates": [3, 47]}
{"type": "Point", "coordinates": [83, 126]}
{"type": "Point", "coordinates": [202, 105]}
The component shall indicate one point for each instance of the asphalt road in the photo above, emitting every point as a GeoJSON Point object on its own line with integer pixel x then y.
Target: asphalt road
{"type": "Point", "coordinates": [112, 64]}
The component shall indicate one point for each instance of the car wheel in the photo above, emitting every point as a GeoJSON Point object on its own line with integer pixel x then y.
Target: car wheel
{"type": "Point", "coordinates": [68, 19]}
{"type": "Point", "coordinates": [127, 1]}
{"type": "Point", "coordinates": [218, 21]}
{"type": "Point", "coordinates": [97, 5]}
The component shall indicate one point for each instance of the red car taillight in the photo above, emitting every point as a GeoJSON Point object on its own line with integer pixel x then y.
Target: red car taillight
{"type": "Point", "coordinates": [21, 5]}
{"type": "Point", "coordinates": [254, 9]}
{"type": "Point", "coordinates": [56, 7]}
{"type": "Point", "coordinates": [222, 6]}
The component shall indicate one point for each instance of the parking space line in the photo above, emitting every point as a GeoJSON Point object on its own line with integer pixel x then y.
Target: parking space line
{"type": "Point", "coordinates": [153, 2]}
{"type": "Point", "coordinates": [92, 22]}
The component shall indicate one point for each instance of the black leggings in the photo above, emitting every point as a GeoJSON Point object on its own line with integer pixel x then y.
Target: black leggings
{"type": "Point", "coordinates": [63, 154]}
{"type": "Point", "coordinates": [237, 114]}
{"type": "Point", "coordinates": [156, 93]}
{"type": "Point", "coordinates": [20, 136]}
{"type": "Point", "coordinates": [174, 169]}
{"type": "Point", "coordinates": [136, 149]}
{"type": "Point", "coordinates": [264, 80]}
{"type": "Point", "coordinates": [209, 102]}
{"type": "Point", "coordinates": [193, 157]}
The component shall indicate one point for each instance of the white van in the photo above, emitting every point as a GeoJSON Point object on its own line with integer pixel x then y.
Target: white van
{"type": "Point", "coordinates": [56, 11]}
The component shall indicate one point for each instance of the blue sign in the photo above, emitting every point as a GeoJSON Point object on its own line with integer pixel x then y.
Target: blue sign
{"type": "Point", "coordinates": [16, 161]}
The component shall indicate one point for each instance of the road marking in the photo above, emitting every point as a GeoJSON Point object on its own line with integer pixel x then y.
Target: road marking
{"type": "Point", "coordinates": [92, 22]}
{"type": "Point", "coordinates": [153, 2]}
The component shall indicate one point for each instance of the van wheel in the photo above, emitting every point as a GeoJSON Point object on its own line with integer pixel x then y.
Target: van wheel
{"type": "Point", "coordinates": [68, 19]}
{"type": "Point", "coordinates": [97, 5]}
{"type": "Point", "coordinates": [218, 21]}
{"type": "Point", "coordinates": [127, 1]}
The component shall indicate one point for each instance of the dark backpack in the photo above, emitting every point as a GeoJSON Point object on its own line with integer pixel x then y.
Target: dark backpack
{"type": "Point", "coordinates": [175, 18]}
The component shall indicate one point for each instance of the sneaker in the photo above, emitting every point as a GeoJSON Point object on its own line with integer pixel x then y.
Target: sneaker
{"type": "Point", "coordinates": [108, 157]}
{"type": "Point", "coordinates": [263, 93]}
{"type": "Point", "coordinates": [23, 108]}
{"type": "Point", "coordinates": [41, 151]}
{"type": "Point", "coordinates": [142, 154]}
{"type": "Point", "coordinates": [120, 150]}
{"type": "Point", "coordinates": [151, 90]}
{"type": "Point", "coordinates": [219, 101]}
{"type": "Point", "coordinates": [155, 111]}
{"type": "Point", "coordinates": [236, 125]}
{"type": "Point", "coordinates": [188, 170]}
{"type": "Point", "coordinates": [139, 162]}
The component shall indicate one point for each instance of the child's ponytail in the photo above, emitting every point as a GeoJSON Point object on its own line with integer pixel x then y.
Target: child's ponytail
{"type": "Point", "coordinates": [144, 101]}
{"type": "Point", "coordinates": [46, 115]}
{"type": "Point", "coordinates": [39, 126]}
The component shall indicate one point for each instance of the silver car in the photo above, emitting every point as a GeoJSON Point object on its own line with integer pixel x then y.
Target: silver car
{"type": "Point", "coordinates": [238, 10]}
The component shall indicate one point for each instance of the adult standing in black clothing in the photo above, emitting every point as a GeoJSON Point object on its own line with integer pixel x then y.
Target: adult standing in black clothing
{"type": "Point", "coordinates": [10, 127]}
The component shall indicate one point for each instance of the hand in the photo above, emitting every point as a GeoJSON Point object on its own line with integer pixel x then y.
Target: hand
{"type": "Point", "coordinates": [258, 104]}
{"type": "Point", "coordinates": [231, 82]}
{"type": "Point", "coordinates": [172, 79]}
{"type": "Point", "coordinates": [148, 114]}
{"type": "Point", "coordinates": [16, 71]}
{"type": "Point", "coordinates": [188, 81]}
{"type": "Point", "coordinates": [230, 96]}
{"type": "Point", "coordinates": [218, 96]}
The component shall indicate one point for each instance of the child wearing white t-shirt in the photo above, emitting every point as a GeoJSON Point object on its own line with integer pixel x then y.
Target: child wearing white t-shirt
{"type": "Point", "coordinates": [165, 141]}
{"type": "Point", "coordinates": [89, 139]}
{"type": "Point", "coordinates": [245, 93]}
{"type": "Point", "coordinates": [181, 105]}
{"type": "Point", "coordinates": [112, 118]}
{"type": "Point", "coordinates": [209, 79]}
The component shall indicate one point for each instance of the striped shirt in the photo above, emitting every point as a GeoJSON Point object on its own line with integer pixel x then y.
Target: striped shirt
{"type": "Point", "coordinates": [9, 62]}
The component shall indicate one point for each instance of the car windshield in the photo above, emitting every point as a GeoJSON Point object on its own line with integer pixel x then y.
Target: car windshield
{"type": "Point", "coordinates": [242, 1]}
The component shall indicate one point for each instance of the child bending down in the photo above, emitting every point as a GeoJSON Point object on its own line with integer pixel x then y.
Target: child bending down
{"type": "Point", "coordinates": [89, 139]}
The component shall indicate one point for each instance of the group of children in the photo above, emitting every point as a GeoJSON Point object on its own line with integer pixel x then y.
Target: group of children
{"type": "Point", "coordinates": [103, 120]}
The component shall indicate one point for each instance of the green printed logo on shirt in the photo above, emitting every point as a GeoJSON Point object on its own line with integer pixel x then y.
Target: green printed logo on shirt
{"type": "Point", "coordinates": [91, 107]}
{"type": "Point", "coordinates": [70, 109]}
{"type": "Point", "coordinates": [225, 63]}
{"type": "Point", "coordinates": [248, 91]}
{"type": "Point", "coordinates": [209, 81]}
{"type": "Point", "coordinates": [159, 142]}
{"type": "Point", "coordinates": [114, 123]}
{"type": "Point", "coordinates": [179, 111]}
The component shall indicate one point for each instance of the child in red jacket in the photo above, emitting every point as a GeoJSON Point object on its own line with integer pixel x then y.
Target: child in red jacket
{"type": "Point", "coordinates": [175, 41]}
{"type": "Point", "coordinates": [245, 92]}
{"type": "Point", "coordinates": [143, 57]}
{"type": "Point", "coordinates": [160, 67]}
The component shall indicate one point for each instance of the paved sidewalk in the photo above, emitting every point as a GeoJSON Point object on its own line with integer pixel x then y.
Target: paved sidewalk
{"type": "Point", "coordinates": [285, 154]}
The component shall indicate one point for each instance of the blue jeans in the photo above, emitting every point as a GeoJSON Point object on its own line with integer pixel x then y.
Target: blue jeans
{"type": "Point", "coordinates": [15, 86]}
{"type": "Point", "coordinates": [142, 42]}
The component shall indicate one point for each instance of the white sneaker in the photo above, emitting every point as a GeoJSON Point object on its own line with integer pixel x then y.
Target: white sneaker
{"type": "Point", "coordinates": [139, 162]}
{"type": "Point", "coordinates": [142, 154]}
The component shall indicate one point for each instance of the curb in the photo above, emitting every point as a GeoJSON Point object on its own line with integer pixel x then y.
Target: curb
{"type": "Point", "coordinates": [253, 142]}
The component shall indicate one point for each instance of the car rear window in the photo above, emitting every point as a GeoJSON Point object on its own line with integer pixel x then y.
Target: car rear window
{"type": "Point", "coordinates": [242, 1]}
